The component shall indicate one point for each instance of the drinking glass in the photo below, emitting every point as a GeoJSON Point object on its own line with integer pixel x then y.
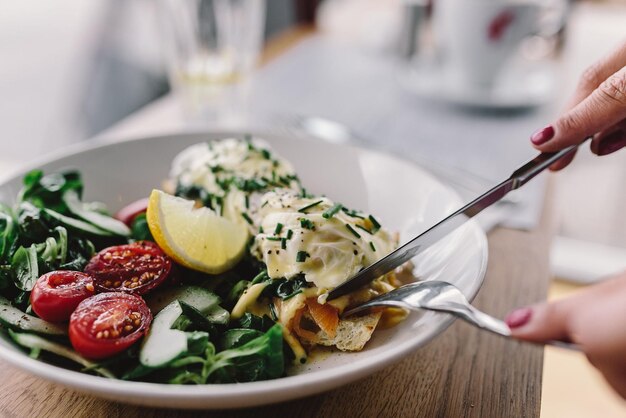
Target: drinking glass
{"type": "Point", "coordinates": [212, 49]}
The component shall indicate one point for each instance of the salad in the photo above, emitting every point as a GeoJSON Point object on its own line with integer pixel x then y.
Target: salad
{"type": "Point", "coordinates": [220, 277]}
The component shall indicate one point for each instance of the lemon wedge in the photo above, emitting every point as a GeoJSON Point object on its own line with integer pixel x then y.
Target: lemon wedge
{"type": "Point", "coordinates": [197, 238]}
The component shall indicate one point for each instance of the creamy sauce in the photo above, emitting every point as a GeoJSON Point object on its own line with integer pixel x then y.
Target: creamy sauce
{"type": "Point", "coordinates": [297, 239]}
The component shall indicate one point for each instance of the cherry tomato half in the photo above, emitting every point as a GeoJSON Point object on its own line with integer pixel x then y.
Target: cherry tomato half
{"type": "Point", "coordinates": [133, 268]}
{"type": "Point", "coordinates": [129, 212]}
{"type": "Point", "coordinates": [108, 323]}
{"type": "Point", "coordinates": [56, 294]}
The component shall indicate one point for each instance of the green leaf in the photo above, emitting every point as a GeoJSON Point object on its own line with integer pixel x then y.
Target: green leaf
{"type": "Point", "coordinates": [251, 321]}
{"type": "Point", "coordinates": [25, 267]}
{"type": "Point", "coordinates": [258, 359]}
{"type": "Point", "coordinates": [76, 224]}
{"type": "Point", "coordinates": [237, 337]}
{"type": "Point", "coordinates": [8, 232]}
{"type": "Point", "coordinates": [72, 200]}
{"type": "Point", "coordinates": [139, 229]}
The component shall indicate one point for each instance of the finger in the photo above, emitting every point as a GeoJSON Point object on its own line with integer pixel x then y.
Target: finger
{"type": "Point", "coordinates": [542, 322]}
{"type": "Point", "coordinates": [593, 76]}
{"type": "Point", "coordinates": [563, 162]}
{"type": "Point", "coordinates": [605, 107]}
{"type": "Point", "coordinates": [609, 140]}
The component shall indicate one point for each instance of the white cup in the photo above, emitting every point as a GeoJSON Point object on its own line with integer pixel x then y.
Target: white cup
{"type": "Point", "coordinates": [478, 37]}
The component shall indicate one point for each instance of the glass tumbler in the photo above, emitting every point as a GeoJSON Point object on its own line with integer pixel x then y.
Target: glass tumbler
{"type": "Point", "coordinates": [212, 49]}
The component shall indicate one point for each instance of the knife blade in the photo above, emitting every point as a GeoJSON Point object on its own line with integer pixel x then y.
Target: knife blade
{"type": "Point", "coordinates": [438, 231]}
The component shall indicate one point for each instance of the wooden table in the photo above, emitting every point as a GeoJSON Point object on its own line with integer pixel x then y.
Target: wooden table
{"type": "Point", "coordinates": [462, 373]}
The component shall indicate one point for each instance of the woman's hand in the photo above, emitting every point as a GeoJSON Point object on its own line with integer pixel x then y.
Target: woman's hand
{"type": "Point", "coordinates": [598, 108]}
{"type": "Point", "coordinates": [594, 318]}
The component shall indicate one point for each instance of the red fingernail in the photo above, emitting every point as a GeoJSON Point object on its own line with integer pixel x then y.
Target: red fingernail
{"type": "Point", "coordinates": [518, 317]}
{"type": "Point", "coordinates": [542, 136]}
{"type": "Point", "coordinates": [612, 143]}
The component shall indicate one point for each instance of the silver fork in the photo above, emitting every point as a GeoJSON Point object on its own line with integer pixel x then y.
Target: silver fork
{"type": "Point", "coordinates": [444, 297]}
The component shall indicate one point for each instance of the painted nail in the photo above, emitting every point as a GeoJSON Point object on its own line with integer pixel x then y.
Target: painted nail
{"type": "Point", "coordinates": [542, 136]}
{"type": "Point", "coordinates": [518, 317]}
{"type": "Point", "coordinates": [612, 143]}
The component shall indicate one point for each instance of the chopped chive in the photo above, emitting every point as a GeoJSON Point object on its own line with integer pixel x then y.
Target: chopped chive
{"type": "Point", "coordinates": [301, 256]}
{"type": "Point", "coordinates": [260, 229]}
{"type": "Point", "coordinates": [247, 202]}
{"type": "Point", "coordinates": [289, 234]}
{"type": "Point", "coordinates": [273, 238]}
{"type": "Point", "coordinates": [247, 218]}
{"type": "Point", "coordinates": [356, 234]}
{"type": "Point", "coordinates": [273, 313]}
{"type": "Point", "coordinates": [351, 213]}
{"type": "Point", "coordinates": [376, 225]}
{"type": "Point", "coordinates": [304, 209]}
{"type": "Point", "coordinates": [266, 154]}
{"type": "Point", "coordinates": [259, 277]}
{"type": "Point", "coordinates": [283, 243]}
{"type": "Point", "coordinates": [329, 213]}
{"type": "Point", "coordinates": [307, 223]}
{"type": "Point", "coordinates": [279, 227]}
{"type": "Point", "coordinates": [363, 228]}
{"type": "Point", "coordinates": [372, 246]}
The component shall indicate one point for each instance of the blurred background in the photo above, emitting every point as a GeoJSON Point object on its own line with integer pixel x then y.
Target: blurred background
{"type": "Point", "coordinates": [406, 76]}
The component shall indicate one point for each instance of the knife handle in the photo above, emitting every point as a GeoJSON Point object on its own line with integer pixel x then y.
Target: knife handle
{"type": "Point", "coordinates": [535, 166]}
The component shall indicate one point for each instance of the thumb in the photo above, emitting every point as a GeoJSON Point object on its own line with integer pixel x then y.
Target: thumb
{"type": "Point", "coordinates": [541, 322]}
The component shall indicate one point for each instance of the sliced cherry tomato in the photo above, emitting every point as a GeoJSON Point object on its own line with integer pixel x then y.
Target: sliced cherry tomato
{"type": "Point", "coordinates": [133, 268]}
{"type": "Point", "coordinates": [108, 323]}
{"type": "Point", "coordinates": [56, 294]}
{"type": "Point", "coordinates": [129, 212]}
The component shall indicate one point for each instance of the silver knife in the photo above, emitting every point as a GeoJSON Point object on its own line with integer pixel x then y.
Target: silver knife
{"type": "Point", "coordinates": [418, 244]}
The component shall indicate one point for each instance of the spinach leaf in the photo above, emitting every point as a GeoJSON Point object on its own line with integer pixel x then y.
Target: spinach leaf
{"type": "Point", "coordinates": [285, 289]}
{"type": "Point", "coordinates": [251, 321]}
{"type": "Point", "coordinates": [139, 229]}
{"type": "Point", "coordinates": [47, 191]}
{"type": "Point", "coordinates": [72, 200]}
{"type": "Point", "coordinates": [25, 266]}
{"type": "Point", "coordinates": [33, 225]}
{"type": "Point", "coordinates": [237, 337]}
{"type": "Point", "coordinates": [6, 278]}
{"type": "Point", "coordinates": [8, 232]}
{"type": "Point", "coordinates": [258, 359]}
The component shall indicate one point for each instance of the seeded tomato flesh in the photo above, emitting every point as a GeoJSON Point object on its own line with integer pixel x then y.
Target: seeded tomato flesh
{"type": "Point", "coordinates": [108, 323]}
{"type": "Point", "coordinates": [134, 268]}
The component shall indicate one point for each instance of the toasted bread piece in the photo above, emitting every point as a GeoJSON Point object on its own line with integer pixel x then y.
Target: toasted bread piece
{"type": "Point", "coordinates": [352, 333]}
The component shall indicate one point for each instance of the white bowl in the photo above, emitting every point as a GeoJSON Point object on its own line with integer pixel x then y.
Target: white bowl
{"type": "Point", "coordinates": [400, 194]}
